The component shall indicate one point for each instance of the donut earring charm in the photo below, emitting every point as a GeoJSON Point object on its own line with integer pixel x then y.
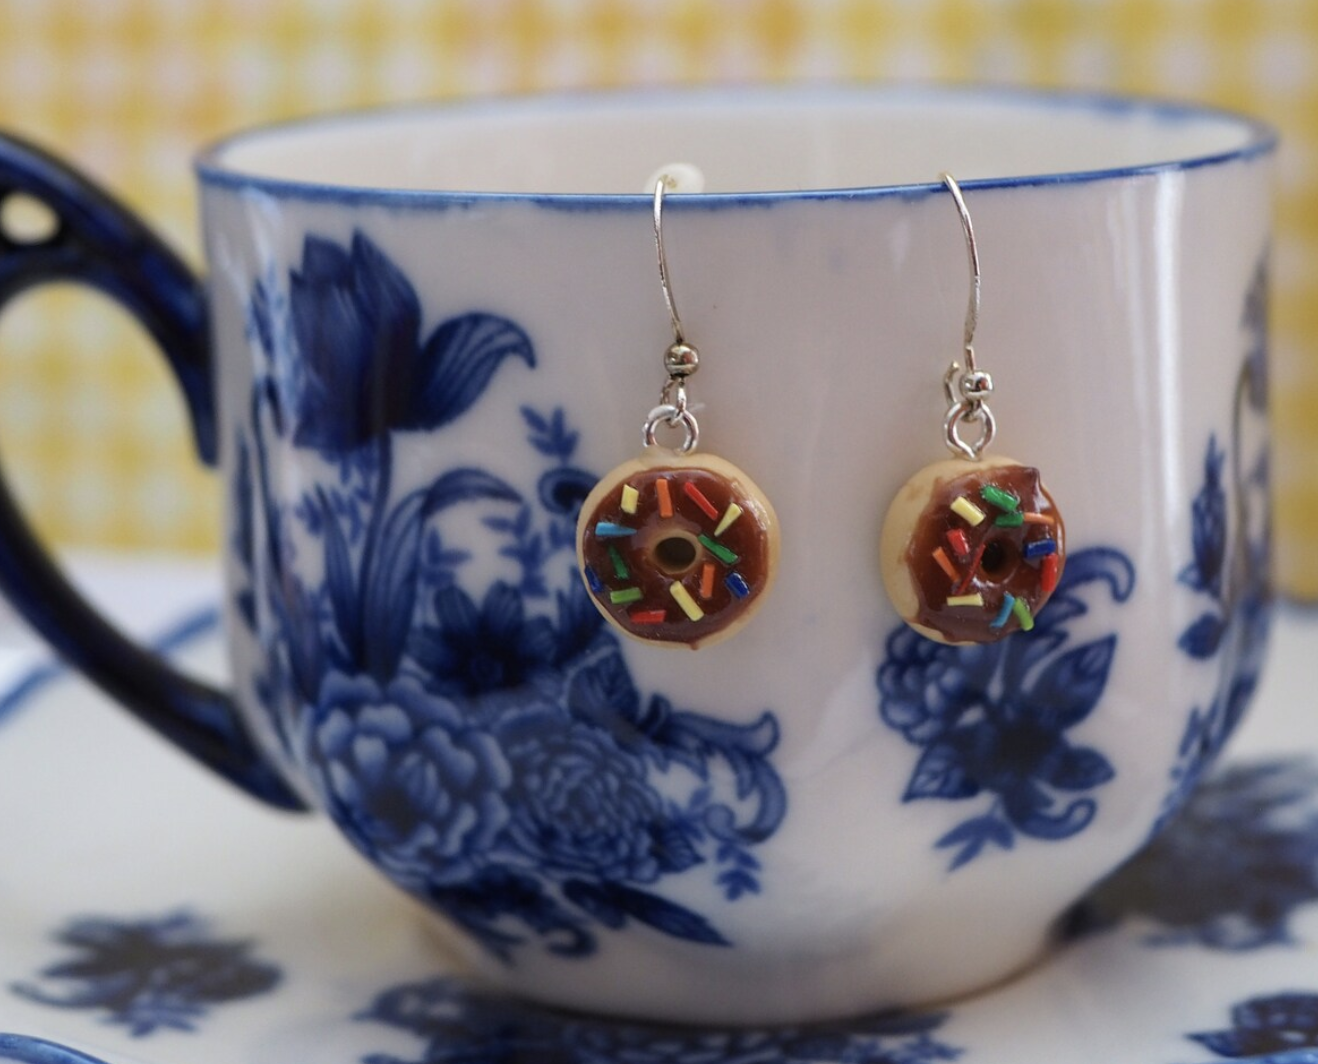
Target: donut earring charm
{"type": "Point", "coordinates": [675, 549]}
{"type": "Point", "coordinates": [972, 547]}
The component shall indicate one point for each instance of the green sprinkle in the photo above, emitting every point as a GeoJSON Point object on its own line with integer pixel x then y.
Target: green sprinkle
{"type": "Point", "coordinates": [1009, 520]}
{"type": "Point", "coordinates": [619, 566]}
{"type": "Point", "coordinates": [625, 595]}
{"type": "Point", "coordinates": [1003, 500]}
{"type": "Point", "coordinates": [1021, 609]}
{"type": "Point", "coordinates": [719, 551]}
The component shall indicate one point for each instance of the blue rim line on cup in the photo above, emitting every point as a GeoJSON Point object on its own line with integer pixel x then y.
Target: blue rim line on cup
{"type": "Point", "coordinates": [1261, 140]}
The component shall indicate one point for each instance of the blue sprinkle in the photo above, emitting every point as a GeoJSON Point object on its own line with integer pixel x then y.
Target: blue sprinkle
{"type": "Point", "coordinates": [1008, 601]}
{"type": "Point", "coordinates": [1040, 548]}
{"type": "Point", "coordinates": [592, 581]}
{"type": "Point", "coordinates": [608, 530]}
{"type": "Point", "coordinates": [737, 585]}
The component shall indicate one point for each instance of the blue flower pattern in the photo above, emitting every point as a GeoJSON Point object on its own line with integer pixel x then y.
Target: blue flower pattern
{"type": "Point", "coordinates": [1229, 570]}
{"type": "Point", "coordinates": [462, 1025]}
{"type": "Point", "coordinates": [150, 975]}
{"type": "Point", "coordinates": [992, 721]}
{"type": "Point", "coordinates": [1270, 1029]}
{"type": "Point", "coordinates": [487, 747]}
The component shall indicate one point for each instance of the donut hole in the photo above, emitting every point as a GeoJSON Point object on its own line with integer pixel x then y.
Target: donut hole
{"type": "Point", "coordinates": [999, 560]}
{"type": "Point", "coordinates": [675, 553]}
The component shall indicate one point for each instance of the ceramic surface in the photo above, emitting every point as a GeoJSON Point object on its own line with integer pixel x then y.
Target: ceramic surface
{"type": "Point", "coordinates": [413, 391]}
{"type": "Point", "coordinates": [133, 931]}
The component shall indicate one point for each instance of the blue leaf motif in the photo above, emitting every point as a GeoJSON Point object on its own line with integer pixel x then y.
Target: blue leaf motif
{"type": "Point", "coordinates": [939, 774]}
{"type": "Point", "coordinates": [1038, 824]}
{"type": "Point", "coordinates": [617, 900]}
{"type": "Point", "coordinates": [466, 485]}
{"type": "Point", "coordinates": [1071, 685]}
{"type": "Point", "coordinates": [339, 581]}
{"type": "Point", "coordinates": [1078, 769]}
{"type": "Point", "coordinates": [461, 357]}
{"type": "Point", "coordinates": [1202, 638]}
{"type": "Point", "coordinates": [973, 835]}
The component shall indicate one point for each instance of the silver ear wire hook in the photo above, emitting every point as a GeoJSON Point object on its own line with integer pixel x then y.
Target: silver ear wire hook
{"type": "Point", "coordinates": [967, 388]}
{"type": "Point", "coordinates": [681, 359]}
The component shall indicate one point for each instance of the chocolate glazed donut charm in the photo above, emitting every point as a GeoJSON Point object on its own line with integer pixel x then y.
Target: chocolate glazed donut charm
{"type": "Point", "coordinates": [972, 548]}
{"type": "Point", "coordinates": [676, 550]}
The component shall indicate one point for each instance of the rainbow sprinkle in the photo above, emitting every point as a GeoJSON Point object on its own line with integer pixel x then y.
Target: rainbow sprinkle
{"type": "Point", "coordinates": [665, 499]}
{"type": "Point", "coordinates": [729, 515]}
{"type": "Point", "coordinates": [1040, 548]}
{"type": "Point", "coordinates": [1048, 573]}
{"type": "Point", "coordinates": [974, 568]}
{"type": "Point", "coordinates": [689, 605]}
{"type": "Point", "coordinates": [647, 616]}
{"type": "Point", "coordinates": [1039, 519]}
{"type": "Point", "coordinates": [707, 580]}
{"type": "Point", "coordinates": [698, 497]}
{"type": "Point", "coordinates": [1014, 519]}
{"type": "Point", "coordinates": [945, 563]}
{"type": "Point", "coordinates": [1008, 604]}
{"type": "Point", "coordinates": [957, 538]}
{"type": "Point", "coordinates": [592, 580]}
{"type": "Point", "coordinates": [619, 566]}
{"type": "Point", "coordinates": [1021, 609]}
{"type": "Point", "coordinates": [736, 583]}
{"type": "Point", "coordinates": [624, 595]}
{"type": "Point", "coordinates": [608, 530]}
{"type": "Point", "coordinates": [966, 600]}
{"type": "Point", "coordinates": [963, 507]}
{"type": "Point", "coordinates": [1003, 500]}
{"type": "Point", "coordinates": [630, 497]}
{"type": "Point", "coordinates": [719, 551]}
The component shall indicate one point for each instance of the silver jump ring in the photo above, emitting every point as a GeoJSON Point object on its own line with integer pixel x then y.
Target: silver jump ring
{"type": "Point", "coordinates": [973, 412]}
{"type": "Point", "coordinates": [669, 414]}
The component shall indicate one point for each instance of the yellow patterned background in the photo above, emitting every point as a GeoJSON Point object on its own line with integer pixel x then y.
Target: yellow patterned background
{"type": "Point", "coordinates": [91, 430]}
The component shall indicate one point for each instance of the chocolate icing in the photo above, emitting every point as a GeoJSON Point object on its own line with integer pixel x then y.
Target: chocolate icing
{"type": "Point", "coordinates": [663, 550]}
{"type": "Point", "coordinates": [1003, 567]}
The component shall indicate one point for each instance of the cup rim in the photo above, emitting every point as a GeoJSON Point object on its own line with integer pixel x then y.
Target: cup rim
{"type": "Point", "coordinates": [1259, 138]}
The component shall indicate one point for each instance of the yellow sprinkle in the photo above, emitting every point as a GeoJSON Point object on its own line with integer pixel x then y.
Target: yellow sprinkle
{"type": "Point", "coordinates": [689, 605]}
{"type": "Point", "coordinates": [967, 509]}
{"type": "Point", "coordinates": [630, 496]}
{"type": "Point", "coordinates": [966, 600]}
{"type": "Point", "coordinates": [729, 515]}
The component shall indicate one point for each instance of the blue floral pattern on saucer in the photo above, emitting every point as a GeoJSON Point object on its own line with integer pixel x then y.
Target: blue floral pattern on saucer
{"type": "Point", "coordinates": [1271, 1029]}
{"type": "Point", "coordinates": [462, 1025]}
{"type": "Point", "coordinates": [486, 746]}
{"type": "Point", "coordinates": [150, 975]}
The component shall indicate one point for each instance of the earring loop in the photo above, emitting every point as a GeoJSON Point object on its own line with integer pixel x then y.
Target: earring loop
{"type": "Point", "coordinates": [972, 548]}
{"type": "Point", "coordinates": [676, 550]}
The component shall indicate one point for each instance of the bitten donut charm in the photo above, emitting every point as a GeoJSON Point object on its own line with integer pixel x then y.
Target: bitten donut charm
{"type": "Point", "coordinates": [972, 547]}
{"type": "Point", "coordinates": [971, 551]}
{"type": "Point", "coordinates": [677, 551]}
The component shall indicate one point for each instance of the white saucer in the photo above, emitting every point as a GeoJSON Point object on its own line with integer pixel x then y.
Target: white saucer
{"type": "Point", "coordinates": [285, 949]}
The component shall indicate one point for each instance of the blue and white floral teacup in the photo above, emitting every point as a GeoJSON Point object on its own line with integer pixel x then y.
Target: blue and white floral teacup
{"type": "Point", "coordinates": [426, 333]}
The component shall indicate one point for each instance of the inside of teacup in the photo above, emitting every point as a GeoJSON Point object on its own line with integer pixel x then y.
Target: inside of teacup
{"type": "Point", "coordinates": [742, 141]}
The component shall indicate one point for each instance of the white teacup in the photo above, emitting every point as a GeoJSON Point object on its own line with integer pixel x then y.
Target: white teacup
{"type": "Point", "coordinates": [427, 332]}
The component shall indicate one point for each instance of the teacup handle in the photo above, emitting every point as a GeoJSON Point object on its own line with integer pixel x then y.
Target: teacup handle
{"type": "Point", "coordinates": [93, 240]}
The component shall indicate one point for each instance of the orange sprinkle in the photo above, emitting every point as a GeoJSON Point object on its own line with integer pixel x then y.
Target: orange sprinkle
{"type": "Point", "coordinates": [707, 580]}
{"type": "Point", "coordinates": [1039, 519]}
{"type": "Point", "coordinates": [665, 499]}
{"type": "Point", "coordinates": [698, 497]}
{"type": "Point", "coordinates": [945, 563]}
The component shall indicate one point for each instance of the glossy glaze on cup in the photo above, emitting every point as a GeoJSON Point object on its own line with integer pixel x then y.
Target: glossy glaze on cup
{"type": "Point", "coordinates": [825, 814]}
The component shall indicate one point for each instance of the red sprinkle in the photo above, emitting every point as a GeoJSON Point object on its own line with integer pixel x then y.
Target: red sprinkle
{"type": "Point", "coordinates": [1048, 574]}
{"type": "Point", "coordinates": [960, 544]}
{"type": "Point", "coordinates": [647, 617]}
{"type": "Point", "coordinates": [974, 568]}
{"type": "Point", "coordinates": [698, 497]}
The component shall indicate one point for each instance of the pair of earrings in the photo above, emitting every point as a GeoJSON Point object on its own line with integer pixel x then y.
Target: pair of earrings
{"type": "Point", "coordinates": [680, 551]}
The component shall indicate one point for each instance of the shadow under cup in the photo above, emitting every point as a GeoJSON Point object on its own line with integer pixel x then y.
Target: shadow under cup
{"type": "Point", "coordinates": [434, 329]}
